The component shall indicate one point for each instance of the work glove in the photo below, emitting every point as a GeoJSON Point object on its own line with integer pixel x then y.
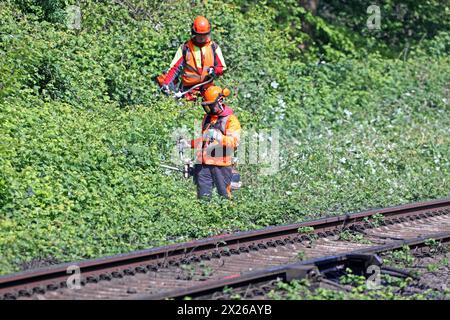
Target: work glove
{"type": "Point", "coordinates": [165, 89]}
{"type": "Point", "coordinates": [212, 72]}
{"type": "Point", "coordinates": [214, 135]}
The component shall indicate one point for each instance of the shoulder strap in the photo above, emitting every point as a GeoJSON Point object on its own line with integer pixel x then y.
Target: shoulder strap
{"type": "Point", "coordinates": [214, 48]}
{"type": "Point", "coordinates": [185, 49]}
{"type": "Point", "coordinates": [188, 45]}
{"type": "Point", "coordinates": [221, 123]}
{"type": "Point", "coordinates": [205, 122]}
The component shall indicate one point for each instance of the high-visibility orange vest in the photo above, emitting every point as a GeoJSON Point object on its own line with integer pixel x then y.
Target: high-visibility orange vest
{"type": "Point", "coordinates": [192, 73]}
{"type": "Point", "coordinates": [216, 154]}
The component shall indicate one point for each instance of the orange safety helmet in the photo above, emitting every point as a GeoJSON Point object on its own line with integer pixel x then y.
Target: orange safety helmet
{"type": "Point", "coordinates": [201, 25]}
{"type": "Point", "coordinates": [214, 94]}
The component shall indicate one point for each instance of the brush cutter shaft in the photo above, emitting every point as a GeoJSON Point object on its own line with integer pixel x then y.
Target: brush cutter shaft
{"type": "Point", "coordinates": [180, 94]}
{"type": "Point", "coordinates": [171, 168]}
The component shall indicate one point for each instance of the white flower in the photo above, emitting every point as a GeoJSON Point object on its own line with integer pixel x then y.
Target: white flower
{"type": "Point", "coordinates": [347, 113]}
{"type": "Point", "coordinates": [274, 84]}
{"type": "Point", "coordinates": [343, 160]}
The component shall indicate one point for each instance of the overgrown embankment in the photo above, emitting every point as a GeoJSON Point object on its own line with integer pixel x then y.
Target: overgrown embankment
{"type": "Point", "coordinates": [363, 121]}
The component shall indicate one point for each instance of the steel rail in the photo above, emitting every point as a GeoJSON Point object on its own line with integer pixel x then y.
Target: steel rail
{"type": "Point", "coordinates": [305, 269]}
{"type": "Point", "coordinates": [53, 274]}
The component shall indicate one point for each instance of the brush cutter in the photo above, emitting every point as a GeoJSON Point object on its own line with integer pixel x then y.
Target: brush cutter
{"type": "Point", "coordinates": [180, 94]}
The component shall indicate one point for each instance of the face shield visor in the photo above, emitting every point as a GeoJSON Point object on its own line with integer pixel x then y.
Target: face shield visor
{"type": "Point", "coordinates": [201, 38]}
{"type": "Point", "coordinates": [213, 108]}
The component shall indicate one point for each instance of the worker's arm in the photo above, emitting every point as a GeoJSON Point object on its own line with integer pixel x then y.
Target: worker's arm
{"type": "Point", "coordinates": [176, 67]}
{"type": "Point", "coordinates": [233, 130]}
{"type": "Point", "coordinates": [219, 62]}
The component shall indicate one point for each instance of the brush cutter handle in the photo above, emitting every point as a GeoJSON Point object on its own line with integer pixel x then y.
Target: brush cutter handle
{"type": "Point", "coordinates": [181, 94]}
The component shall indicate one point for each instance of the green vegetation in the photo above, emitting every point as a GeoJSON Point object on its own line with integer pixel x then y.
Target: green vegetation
{"type": "Point", "coordinates": [301, 255]}
{"type": "Point", "coordinates": [348, 235]}
{"type": "Point", "coordinates": [357, 289]}
{"type": "Point", "coordinates": [436, 246]}
{"type": "Point", "coordinates": [399, 258]}
{"type": "Point", "coordinates": [363, 115]}
{"type": "Point", "coordinates": [442, 263]}
{"type": "Point", "coordinates": [305, 229]}
{"type": "Point", "coordinates": [375, 220]}
{"type": "Point", "coordinates": [206, 270]}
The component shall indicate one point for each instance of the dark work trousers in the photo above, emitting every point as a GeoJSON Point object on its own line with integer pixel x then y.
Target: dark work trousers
{"type": "Point", "coordinates": [208, 176]}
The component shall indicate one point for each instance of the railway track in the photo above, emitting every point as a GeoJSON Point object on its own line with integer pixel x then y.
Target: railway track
{"type": "Point", "coordinates": [180, 269]}
{"type": "Point", "coordinates": [255, 285]}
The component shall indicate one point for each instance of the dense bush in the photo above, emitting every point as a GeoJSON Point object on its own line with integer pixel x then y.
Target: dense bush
{"type": "Point", "coordinates": [84, 127]}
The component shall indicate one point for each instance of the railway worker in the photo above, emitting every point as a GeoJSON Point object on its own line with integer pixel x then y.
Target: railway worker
{"type": "Point", "coordinates": [196, 61]}
{"type": "Point", "coordinates": [214, 150]}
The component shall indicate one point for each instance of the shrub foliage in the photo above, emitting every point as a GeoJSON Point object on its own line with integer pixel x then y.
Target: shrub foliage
{"type": "Point", "coordinates": [84, 127]}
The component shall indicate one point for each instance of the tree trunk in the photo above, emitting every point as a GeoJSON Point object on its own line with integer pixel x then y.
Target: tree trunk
{"type": "Point", "coordinates": [310, 5]}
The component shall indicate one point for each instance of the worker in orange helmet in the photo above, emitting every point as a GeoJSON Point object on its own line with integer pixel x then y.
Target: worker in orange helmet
{"type": "Point", "coordinates": [214, 150]}
{"type": "Point", "coordinates": [196, 61]}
